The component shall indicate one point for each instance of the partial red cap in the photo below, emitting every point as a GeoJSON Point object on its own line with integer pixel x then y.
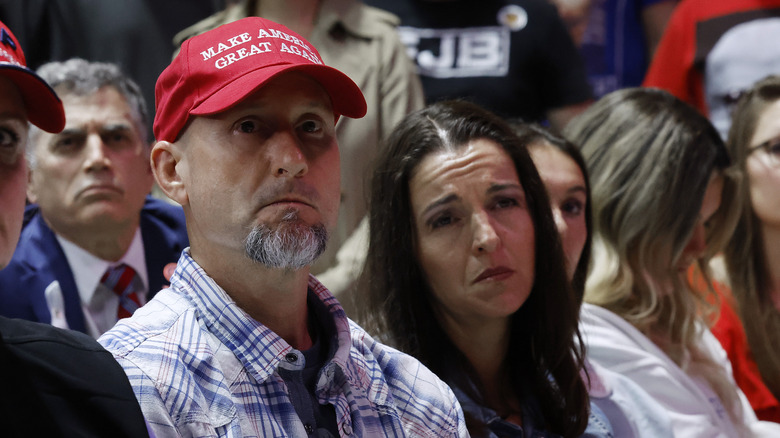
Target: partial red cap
{"type": "Point", "coordinates": [218, 69]}
{"type": "Point", "coordinates": [44, 108]}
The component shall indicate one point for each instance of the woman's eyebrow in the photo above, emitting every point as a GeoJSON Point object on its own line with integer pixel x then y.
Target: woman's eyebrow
{"type": "Point", "coordinates": [445, 200]}
{"type": "Point", "coordinates": [499, 187]}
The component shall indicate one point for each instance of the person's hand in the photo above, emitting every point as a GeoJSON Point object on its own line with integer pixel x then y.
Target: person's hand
{"type": "Point", "coordinates": [168, 272]}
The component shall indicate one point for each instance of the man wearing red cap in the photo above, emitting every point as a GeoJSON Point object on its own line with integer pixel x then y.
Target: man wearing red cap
{"type": "Point", "coordinates": [245, 342]}
{"type": "Point", "coordinates": [361, 42]}
{"type": "Point", "coordinates": [57, 382]}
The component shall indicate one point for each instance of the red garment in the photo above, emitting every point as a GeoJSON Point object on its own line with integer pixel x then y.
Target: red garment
{"type": "Point", "coordinates": [678, 64]}
{"type": "Point", "coordinates": [731, 334]}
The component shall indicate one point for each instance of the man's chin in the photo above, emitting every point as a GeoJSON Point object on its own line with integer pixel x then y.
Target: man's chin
{"type": "Point", "coordinates": [289, 218]}
{"type": "Point", "coordinates": [290, 244]}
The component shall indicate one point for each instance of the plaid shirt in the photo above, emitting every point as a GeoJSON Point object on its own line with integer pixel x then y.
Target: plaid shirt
{"type": "Point", "coordinates": [200, 366]}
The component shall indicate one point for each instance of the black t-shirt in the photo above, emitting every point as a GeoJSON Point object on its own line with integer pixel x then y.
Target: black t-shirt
{"type": "Point", "coordinates": [318, 420]}
{"type": "Point", "coordinates": [515, 58]}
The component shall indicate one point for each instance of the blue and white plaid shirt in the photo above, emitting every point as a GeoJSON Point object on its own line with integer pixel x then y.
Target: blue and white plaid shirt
{"type": "Point", "coordinates": [200, 366]}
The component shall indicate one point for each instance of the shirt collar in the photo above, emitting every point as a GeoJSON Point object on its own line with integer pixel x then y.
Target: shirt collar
{"type": "Point", "coordinates": [497, 425]}
{"type": "Point", "coordinates": [483, 413]}
{"type": "Point", "coordinates": [256, 346]}
{"type": "Point", "coordinates": [88, 269]}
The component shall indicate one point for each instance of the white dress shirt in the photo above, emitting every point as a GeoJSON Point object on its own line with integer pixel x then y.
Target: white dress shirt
{"type": "Point", "coordinates": [98, 302]}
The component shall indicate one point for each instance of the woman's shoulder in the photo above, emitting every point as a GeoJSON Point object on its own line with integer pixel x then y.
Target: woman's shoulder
{"type": "Point", "coordinates": [692, 407]}
{"type": "Point", "coordinates": [607, 329]}
{"type": "Point", "coordinates": [615, 344]}
{"type": "Point", "coordinates": [631, 411]}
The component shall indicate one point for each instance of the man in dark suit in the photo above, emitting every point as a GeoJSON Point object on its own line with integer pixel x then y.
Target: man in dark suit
{"type": "Point", "coordinates": [94, 244]}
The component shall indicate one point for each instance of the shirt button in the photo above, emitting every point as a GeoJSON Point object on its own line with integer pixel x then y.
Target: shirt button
{"type": "Point", "coordinates": [309, 428]}
{"type": "Point", "coordinates": [347, 429]}
{"type": "Point", "coordinates": [291, 357]}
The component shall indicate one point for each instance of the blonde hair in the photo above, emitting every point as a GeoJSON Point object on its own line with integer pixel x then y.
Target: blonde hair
{"type": "Point", "coordinates": [746, 264]}
{"type": "Point", "coordinates": [650, 158]}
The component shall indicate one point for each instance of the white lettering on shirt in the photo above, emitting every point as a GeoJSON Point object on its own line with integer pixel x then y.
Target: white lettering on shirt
{"type": "Point", "coordinates": [452, 53]}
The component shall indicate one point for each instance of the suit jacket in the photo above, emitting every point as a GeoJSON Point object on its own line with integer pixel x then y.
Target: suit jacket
{"type": "Point", "coordinates": [60, 383]}
{"type": "Point", "coordinates": [39, 261]}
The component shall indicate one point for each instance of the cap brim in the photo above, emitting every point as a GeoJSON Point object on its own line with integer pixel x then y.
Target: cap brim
{"type": "Point", "coordinates": [345, 95]}
{"type": "Point", "coordinates": [44, 108]}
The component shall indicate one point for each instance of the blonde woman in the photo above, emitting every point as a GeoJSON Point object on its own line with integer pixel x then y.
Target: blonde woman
{"type": "Point", "coordinates": [662, 199]}
{"type": "Point", "coordinates": [752, 256]}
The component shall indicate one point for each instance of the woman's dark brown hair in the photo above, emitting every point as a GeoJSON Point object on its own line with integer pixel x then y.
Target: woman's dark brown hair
{"type": "Point", "coordinates": [533, 135]}
{"type": "Point", "coordinates": [545, 353]}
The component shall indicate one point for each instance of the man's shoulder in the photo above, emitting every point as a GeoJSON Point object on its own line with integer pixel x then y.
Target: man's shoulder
{"type": "Point", "coordinates": [44, 345]}
{"type": "Point", "coordinates": [164, 214]}
{"type": "Point", "coordinates": [35, 235]}
{"type": "Point", "coordinates": [49, 350]}
{"type": "Point", "coordinates": [28, 264]}
{"type": "Point", "coordinates": [163, 227]}
{"type": "Point", "coordinates": [27, 334]}
{"type": "Point", "coordinates": [158, 328]}
{"type": "Point", "coordinates": [364, 20]}
{"type": "Point", "coordinates": [64, 380]}
{"type": "Point", "coordinates": [164, 234]}
{"type": "Point", "coordinates": [383, 359]}
{"type": "Point", "coordinates": [37, 261]}
{"type": "Point", "coordinates": [422, 400]}
{"type": "Point", "coordinates": [173, 359]}
{"type": "Point", "coordinates": [164, 335]}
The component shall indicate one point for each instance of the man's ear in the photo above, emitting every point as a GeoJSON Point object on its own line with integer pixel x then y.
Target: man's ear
{"type": "Point", "coordinates": [170, 170]}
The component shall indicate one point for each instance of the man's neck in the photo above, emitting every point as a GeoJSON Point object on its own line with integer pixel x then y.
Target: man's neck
{"type": "Point", "coordinates": [274, 297]}
{"type": "Point", "coordinates": [298, 15]}
{"type": "Point", "coordinates": [108, 243]}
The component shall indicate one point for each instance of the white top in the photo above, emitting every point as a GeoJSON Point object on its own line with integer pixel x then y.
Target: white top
{"type": "Point", "coordinates": [98, 303]}
{"type": "Point", "coordinates": [630, 409]}
{"type": "Point", "coordinates": [693, 408]}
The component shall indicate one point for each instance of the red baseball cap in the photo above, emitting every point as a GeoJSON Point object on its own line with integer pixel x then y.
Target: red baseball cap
{"type": "Point", "coordinates": [44, 108]}
{"type": "Point", "coordinates": [219, 68]}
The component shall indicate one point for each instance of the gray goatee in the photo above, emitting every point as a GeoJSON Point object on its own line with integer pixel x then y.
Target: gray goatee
{"type": "Point", "coordinates": [287, 245]}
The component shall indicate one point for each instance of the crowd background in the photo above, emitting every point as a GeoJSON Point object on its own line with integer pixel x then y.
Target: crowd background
{"type": "Point", "coordinates": [666, 266]}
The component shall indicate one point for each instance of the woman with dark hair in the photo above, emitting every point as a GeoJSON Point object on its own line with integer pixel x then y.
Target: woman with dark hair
{"type": "Point", "coordinates": [663, 198]}
{"type": "Point", "coordinates": [466, 273]}
{"type": "Point", "coordinates": [563, 172]}
{"type": "Point", "coordinates": [749, 323]}
{"type": "Point", "coordinates": [630, 410]}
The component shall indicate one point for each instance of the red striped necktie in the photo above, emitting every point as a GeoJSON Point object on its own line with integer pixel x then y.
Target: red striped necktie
{"type": "Point", "coordinates": [123, 281]}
